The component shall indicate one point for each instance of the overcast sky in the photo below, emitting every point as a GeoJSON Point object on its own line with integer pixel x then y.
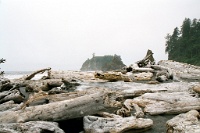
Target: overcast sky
{"type": "Point", "coordinates": [62, 34]}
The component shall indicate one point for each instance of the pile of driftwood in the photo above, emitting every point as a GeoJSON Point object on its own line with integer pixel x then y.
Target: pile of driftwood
{"type": "Point", "coordinates": [143, 70]}
{"type": "Point", "coordinates": [28, 105]}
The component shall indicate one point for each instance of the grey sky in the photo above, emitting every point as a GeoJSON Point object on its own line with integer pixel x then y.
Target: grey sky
{"type": "Point", "coordinates": [62, 34]}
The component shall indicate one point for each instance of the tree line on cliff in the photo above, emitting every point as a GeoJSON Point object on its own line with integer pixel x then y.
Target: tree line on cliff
{"type": "Point", "coordinates": [183, 44]}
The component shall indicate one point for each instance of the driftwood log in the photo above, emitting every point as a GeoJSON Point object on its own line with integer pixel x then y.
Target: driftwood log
{"type": "Point", "coordinates": [7, 105]}
{"type": "Point", "coordinates": [94, 124]}
{"type": "Point", "coordinates": [148, 59]}
{"type": "Point", "coordinates": [102, 100]}
{"type": "Point", "coordinates": [182, 71]}
{"type": "Point", "coordinates": [184, 123]}
{"type": "Point", "coordinates": [128, 109]}
{"type": "Point", "coordinates": [167, 103]}
{"type": "Point", "coordinates": [29, 77]}
{"type": "Point", "coordinates": [11, 95]}
{"type": "Point", "coordinates": [30, 127]}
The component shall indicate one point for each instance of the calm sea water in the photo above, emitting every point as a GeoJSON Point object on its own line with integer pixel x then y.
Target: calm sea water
{"type": "Point", "coordinates": [16, 74]}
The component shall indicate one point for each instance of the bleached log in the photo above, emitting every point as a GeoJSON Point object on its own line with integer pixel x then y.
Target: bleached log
{"type": "Point", "coordinates": [108, 115]}
{"type": "Point", "coordinates": [138, 89]}
{"type": "Point", "coordinates": [184, 123]}
{"type": "Point", "coordinates": [29, 77]}
{"type": "Point", "coordinates": [38, 85]}
{"type": "Point", "coordinates": [102, 100]}
{"type": "Point", "coordinates": [74, 75]}
{"type": "Point", "coordinates": [167, 103]}
{"type": "Point", "coordinates": [7, 105]}
{"type": "Point", "coordinates": [182, 71]}
{"type": "Point", "coordinates": [30, 127]}
{"type": "Point", "coordinates": [143, 76]}
{"type": "Point", "coordinates": [11, 95]}
{"type": "Point", "coordinates": [143, 70]}
{"type": "Point", "coordinates": [112, 77]}
{"type": "Point", "coordinates": [128, 107]}
{"type": "Point", "coordinates": [49, 97]}
{"type": "Point", "coordinates": [148, 59]}
{"type": "Point", "coordinates": [94, 124]}
{"type": "Point", "coordinates": [5, 86]}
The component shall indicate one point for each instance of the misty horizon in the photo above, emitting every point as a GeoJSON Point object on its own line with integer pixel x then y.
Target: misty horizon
{"type": "Point", "coordinates": [63, 34]}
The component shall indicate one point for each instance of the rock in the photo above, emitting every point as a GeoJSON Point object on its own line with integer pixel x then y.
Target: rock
{"type": "Point", "coordinates": [184, 123]}
{"type": "Point", "coordinates": [104, 63]}
{"type": "Point", "coordinates": [94, 124]}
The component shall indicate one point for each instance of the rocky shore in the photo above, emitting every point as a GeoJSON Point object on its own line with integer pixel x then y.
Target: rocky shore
{"type": "Point", "coordinates": [135, 99]}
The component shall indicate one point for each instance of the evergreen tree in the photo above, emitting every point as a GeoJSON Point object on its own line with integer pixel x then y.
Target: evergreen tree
{"type": "Point", "coordinates": [172, 43]}
{"type": "Point", "coordinates": [184, 45]}
{"type": "Point", "coordinates": [104, 63]}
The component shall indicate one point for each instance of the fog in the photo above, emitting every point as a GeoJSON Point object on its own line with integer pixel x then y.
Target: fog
{"type": "Point", "coordinates": [62, 34]}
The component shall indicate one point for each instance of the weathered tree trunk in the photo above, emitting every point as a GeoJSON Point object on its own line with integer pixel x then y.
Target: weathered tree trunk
{"type": "Point", "coordinates": [138, 89]}
{"type": "Point", "coordinates": [127, 109]}
{"type": "Point", "coordinates": [182, 71]}
{"type": "Point", "coordinates": [167, 103]}
{"type": "Point", "coordinates": [29, 77]}
{"type": "Point", "coordinates": [11, 95]}
{"type": "Point", "coordinates": [102, 100]}
{"type": "Point", "coordinates": [143, 70]}
{"type": "Point", "coordinates": [184, 123]}
{"type": "Point", "coordinates": [148, 59]}
{"type": "Point", "coordinates": [30, 127]}
{"type": "Point", "coordinates": [7, 105]}
{"type": "Point", "coordinates": [94, 124]}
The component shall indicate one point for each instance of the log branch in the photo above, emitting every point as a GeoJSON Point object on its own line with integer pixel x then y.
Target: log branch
{"type": "Point", "coordinates": [29, 77]}
{"type": "Point", "coordinates": [128, 108]}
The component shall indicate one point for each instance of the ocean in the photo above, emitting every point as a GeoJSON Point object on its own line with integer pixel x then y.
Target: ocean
{"type": "Point", "coordinates": [16, 74]}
